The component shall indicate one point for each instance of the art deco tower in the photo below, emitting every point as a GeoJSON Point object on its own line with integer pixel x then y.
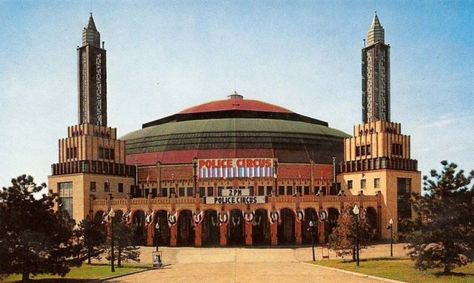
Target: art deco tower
{"type": "Point", "coordinates": [376, 75]}
{"type": "Point", "coordinates": [92, 77]}
{"type": "Point", "coordinates": [91, 159]}
{"type": "Point", "coordinates": [377, 158]}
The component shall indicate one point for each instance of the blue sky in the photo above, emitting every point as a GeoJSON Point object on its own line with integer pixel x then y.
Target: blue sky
{"type": "Point", "coordinates": [164, 56]}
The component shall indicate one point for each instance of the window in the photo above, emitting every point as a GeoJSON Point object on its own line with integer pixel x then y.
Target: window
{"type": "Point", "coordinates": [357, 151]}
{"type": "Point", "coordinates": [261, 190]}
{"type": "Point", "coordinates": [281, 190]}
{"type": "Point", "coordinates": [202, 191]}
{"type": "Point", "coordinates": [65, 195]}
{"type": "Point", "coordinates": [362, 150]}
{"type": "Point", "coordinates": [164, 192]}
{"type": "Point", "coordinates": [189, 191]}
{"type": "Point", "coordinates": [181, 192]}
{"type": "Point", "coordinates": [323, 189]}
{"type": "Point", "coordinates": [269, 190]}
{"type": "Point", "coordinates": [153, 193]}
{"type": "Point", "coordinates": [289, 190]}
{"type": "Point", "coordinates": [362, 183]}
{"type": "Point", "coordinates": [377, 183]}
{"type": "Point", "coordinates": [349, 184]}
{"type": "Point", "coordinates": [120, 187]}
{"type": "Point", "coordinates": [106, 186]}
{"type": "Point", "coordinates": [306, 190]}
{"type": "Point", "coordinates": [93, 187]}
{"type": "Point", "coordinates": [210, 191]}
{"type": "Point", "coordinates": [298, 189]}
{"type": "Point", "coordinates": [219, 191]}
{"type": "Point", "coordinates": [368, 151]}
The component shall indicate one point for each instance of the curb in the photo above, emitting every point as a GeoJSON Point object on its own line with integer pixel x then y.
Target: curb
{"type": "Point", "coordinates": [356, 273]}
{"type": "Point", "coordinates": [118, 276]}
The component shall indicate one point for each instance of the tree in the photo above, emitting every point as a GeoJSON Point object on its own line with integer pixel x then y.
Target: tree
{"type": "Point", "coordinates": [92, 234]}
{"type": "Point", "coordinates": [125, 250]}
{"type": "Point", "coordinates": [34, 238]}
{"type": "Point", "coordinates": [343, 238]}
{"type": "Point", "coordinates": [442, 233]}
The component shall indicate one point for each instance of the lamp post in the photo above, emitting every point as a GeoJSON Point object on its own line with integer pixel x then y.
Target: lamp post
{"type": "Point", "coordinates": [390, 226]}
{"type": "Point", "coordinates": [157, 230]}
{"type": "Point", "coordinates": [112, 215]}
{"type": "Point", "coordinates": [311, 229]}
{"type": "Point", "coordinates": [356, 211]}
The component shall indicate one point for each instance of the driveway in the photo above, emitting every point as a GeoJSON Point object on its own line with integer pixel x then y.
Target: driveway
{"type": "Point", "coordinates": [239, 265]}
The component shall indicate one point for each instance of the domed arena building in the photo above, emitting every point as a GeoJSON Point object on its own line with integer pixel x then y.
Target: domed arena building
{"type": "Point", "coordinates": [234, 171]}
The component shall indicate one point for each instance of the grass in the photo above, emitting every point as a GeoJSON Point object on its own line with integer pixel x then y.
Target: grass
{"type": "Point", "coordinates": [402, 269]}
{"type": "Point", "coordinates": [82, 274]}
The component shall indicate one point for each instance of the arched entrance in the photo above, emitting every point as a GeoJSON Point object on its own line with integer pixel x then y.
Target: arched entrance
{"type": "Point", "coordinates": [185, 228]}
{"type": "Point", "coordinates": [138, 228]}
{"type": "Point", "coordinates": [162, 234]}
{"type": "Point", "coordinates": [309, 215]}
{"type": "Point", "coordinates": [210, 228]}
{"type": "Point", "coordinates": [331, 223]}
{"type": "Point", "coordinates": [99, 216]}
{"type": "Point", "coordinates": [286, 230]}
{"type": "Point", "coordinates": [236, 227]}
{"type": "Point", "coordinates": [371, 215]}
{"type": "Point", "coordinates": [261, 228]}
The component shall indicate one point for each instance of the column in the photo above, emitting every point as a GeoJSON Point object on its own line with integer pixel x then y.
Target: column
{"type": "Point", "coordinates": [150, 231]}
{"type": "Point", "coordinates": [298, 237]}
{"type": "Point", "coordinates": [198, 235]}
{"type": "Point", "coordinates": [248, 233]}
{"type": "Point", "coordinates": [173, 240]}
{"type": "Point", "coordinates": [223, 234]}
{"type": "Point", "coordinates": [274, 232]}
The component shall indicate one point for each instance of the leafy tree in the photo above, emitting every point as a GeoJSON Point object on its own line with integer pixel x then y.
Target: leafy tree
{"type": "Point", "coordinates": [91, 232]}
{"type": "Point", "coordinates": [124, 248]}
{"type": "Point", "coordinates": [442, 233]}
{"type": "Point", "coordinates": [34, 238]}
{"type": "Point", "coordinates": [343, 238]}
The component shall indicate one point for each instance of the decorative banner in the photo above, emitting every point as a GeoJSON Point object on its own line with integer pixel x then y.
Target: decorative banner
{"type": "Point", "coordinates": [323, 215]}
{"type": "Point", "coordinates": [172, 218]}
{"type": "Point", "coordinates": [148, 217]}
{"type": "Point", "coordinates": [274, 216]}
{"type": "Point", "coordinates": [198, 217]}
{"type": "Point", "coordinates": [249, 216]}
{"type": "Point", "coordinates": [235, 192]}
{"type": "Point", "coordinates": [126, 217]}
{"type": "Point", "coordinates": [236, 168]}
{"type": "Point", "coordinates": [299, 215]}
{"type": "Point", "coordinates": [223, 217]}
{"type": "Point", "coordinates": [235, 200]}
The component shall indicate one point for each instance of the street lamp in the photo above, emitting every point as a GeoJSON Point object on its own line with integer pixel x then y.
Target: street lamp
{"type": "Point", "coordinates": [390, 226]}
{"type": "Point", "coordinates": [157, 230]}
{"type": "Point", "coordinates": [112, 215]}
{"type": "Point", "coordinates": [356, 211]}
{"type": "Point", "coordinates": [311, 228]}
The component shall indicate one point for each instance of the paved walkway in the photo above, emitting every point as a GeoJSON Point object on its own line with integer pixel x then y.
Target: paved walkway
{"type": "Point", "coordinates": [245, 265]}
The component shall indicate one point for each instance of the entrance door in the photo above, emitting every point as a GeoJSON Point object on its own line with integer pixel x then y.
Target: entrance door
{"type": "Point", "coordinates": [185, 228]}
{"type": "Point", "coordinates": [162, 234]}
{"type": "Point", "coordinates": [261, 228]}
{"type": "Point", "coordinates": [309, 215]}
{"type": "Point", "coordinates": [286, 230]}
{"type": "Point", "coordinates": [236, 227]}
{"type": "Point", "coordinates": [210, 228]}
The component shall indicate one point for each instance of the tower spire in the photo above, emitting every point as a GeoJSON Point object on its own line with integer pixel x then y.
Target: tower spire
{"type": "Point", "coordinates": [376, 32]}
{"type": "Point", "coordinates": [90, 35]}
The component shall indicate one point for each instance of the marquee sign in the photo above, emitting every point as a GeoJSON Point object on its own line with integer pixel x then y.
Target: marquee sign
{"type": "Point", "coordinates": [235, 200]}
{"type": "Point", "coordinates": [236, 168]}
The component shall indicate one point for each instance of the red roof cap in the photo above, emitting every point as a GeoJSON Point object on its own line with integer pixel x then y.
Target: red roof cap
{"type": "Point", "coordinates": [235, 102]}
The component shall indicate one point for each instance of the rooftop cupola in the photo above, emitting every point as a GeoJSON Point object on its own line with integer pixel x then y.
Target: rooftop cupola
{"type": "Point", "coordinates": [376, 32]}
{"type": "Point", "coordinates": [90, 35]}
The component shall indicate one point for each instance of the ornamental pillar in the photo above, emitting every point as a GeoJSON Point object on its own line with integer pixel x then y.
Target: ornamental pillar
{"type": "Point", "coordinates": [150, 231]}
{"type": "Point", "coordinates": [322, 238]}
{"type": "Point", "coordinates": [274, 233]}
{"type": "Point", "coordinates": [223, 234]}
{"type": "Point", "coordinates": [198, 235]}
{"type": "Point", "coordinates": [298, 237]}
{"type": "Point", "coordinates": [248, 233]}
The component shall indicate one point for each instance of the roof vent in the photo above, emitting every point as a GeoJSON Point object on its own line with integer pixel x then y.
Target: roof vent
{"type": "Point", "coordinates": [235, 95]}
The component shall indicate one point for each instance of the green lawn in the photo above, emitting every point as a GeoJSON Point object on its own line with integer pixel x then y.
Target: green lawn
{"type": "Point", "coordinates": [82, 274]}
{"type": "Point", "coordinates": [402, 269]}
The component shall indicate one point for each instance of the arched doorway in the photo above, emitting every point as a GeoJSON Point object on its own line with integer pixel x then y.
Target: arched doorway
{"type": "Point", "coordinates": [261, 228]}
{"type": "Point", "coordinates": [138, 228]}
{"type": "Point", "coordinates": [286, 229]}
{"type": "Point", "coordinates": [99, 216]}
{"type": "Point", "coordinates": [118, 216]}
{"type": "Point", "coordinates": [236, 227]}
{"type": "Point", "coordinates": [185, 228]}
{"type": "Point", "coordinates": [210, 228]}
{"type": "Point", "coordinates": [309, 215]}
{"type": "Point", "coordinates": [162, 236]}
{"type": "Point", "coordinates": [371, 215]}
{"type": "Point", "coordinates": [331, 223]}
